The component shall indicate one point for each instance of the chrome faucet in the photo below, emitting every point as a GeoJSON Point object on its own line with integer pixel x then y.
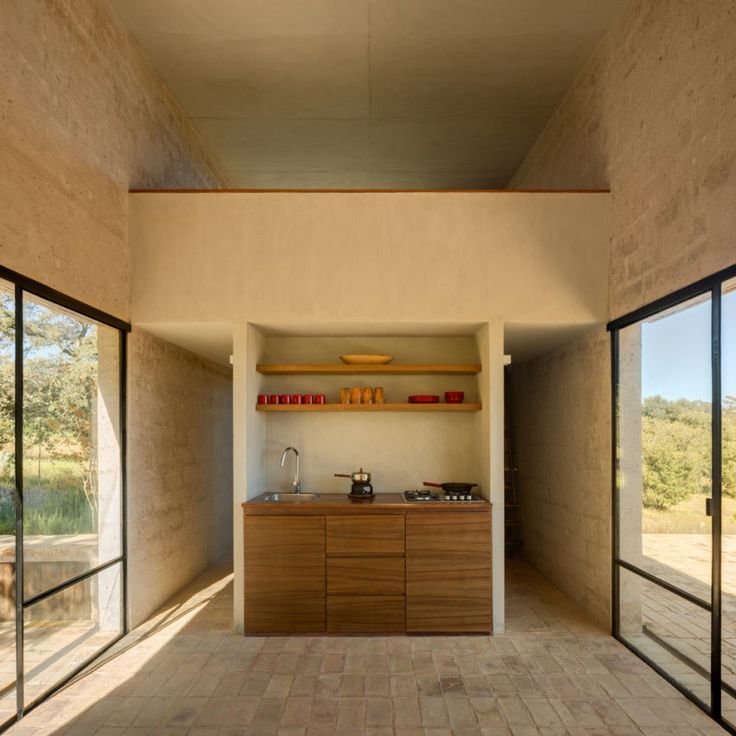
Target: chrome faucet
{"type": "Point", "coordinates": [297, 483]}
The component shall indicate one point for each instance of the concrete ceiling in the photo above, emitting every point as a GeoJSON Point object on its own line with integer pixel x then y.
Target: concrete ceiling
{"type": "Point", "coordinates": [397, 94]}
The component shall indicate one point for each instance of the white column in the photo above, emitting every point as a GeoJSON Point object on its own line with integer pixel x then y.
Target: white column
{"type": "Point", "coordinates": [248, 448]}
{"type": "Point", "coordinates": [240, 487]}
{"type": "Point", "coordinates": [630, 474]}
{"type": "Point", "coordinates": [491, 456]}
{"type": "Point", "coordinates": [106, 428]}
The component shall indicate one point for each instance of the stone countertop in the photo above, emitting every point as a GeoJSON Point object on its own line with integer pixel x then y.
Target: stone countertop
{"type": "Point", "coordinates": [341, 503]}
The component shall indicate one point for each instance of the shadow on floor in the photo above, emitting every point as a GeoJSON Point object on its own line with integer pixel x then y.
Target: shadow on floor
{"type": "Point", "coordinates": [185, 673]}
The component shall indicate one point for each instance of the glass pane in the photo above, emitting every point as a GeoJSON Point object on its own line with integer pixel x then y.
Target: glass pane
{"type": "Point", "coordinates": [728, 557]}
{"type": "Point", "coordinates": [69, 627]}
{"type": "Point", "coordinates": [672, 632]}
{"type": "Point", "coordinates": [664, 445]}
{"type": "Point", "coordinates": [71, 445]}
{"type": "Point", "coordinates": [7, 501]}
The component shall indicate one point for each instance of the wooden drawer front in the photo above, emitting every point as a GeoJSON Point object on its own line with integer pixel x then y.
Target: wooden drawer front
{"type": "Point", "coordinates": [362, 536]}
{"type": "Point", "coordinates": [448, 572]}
{"type": "Point", "coordinates": [365, 614]}
{"type": "Point", "coordinates": [284, 574]}
{"type": "Point", "coordinates": [365, 576]}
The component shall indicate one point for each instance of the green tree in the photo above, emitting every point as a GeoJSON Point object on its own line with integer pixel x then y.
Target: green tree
{"type": "Point", "coordinates": [676, 451]}
{"type": "Point", "coordinates": [60, 388]}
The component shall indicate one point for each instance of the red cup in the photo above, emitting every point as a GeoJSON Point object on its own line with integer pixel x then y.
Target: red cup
{"type": "Point", "coordinates": [454, 397]}
{"type": "Point", "coordinates": [320, 399]}
{"type": "Point", "coordinates": [273, 399]}
{"type": "Point", "coordinates": [262, 399]}
{"type": "Point", "coordinates": [296, 398]}
{"type": "Point", "coordinates": [307, 399]}
{"type": "Point", "coordinates": [285, 399]}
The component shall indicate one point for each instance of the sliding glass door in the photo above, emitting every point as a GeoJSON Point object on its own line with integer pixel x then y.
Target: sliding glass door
{"type": "Point", "coordinates": [62, 592]}
{"type": "Point", "coordinates": [674, 496]}
{"type": "Point", "coordinates": [728, 481]}
{"type": "Point", "coordinates": [9, 503]}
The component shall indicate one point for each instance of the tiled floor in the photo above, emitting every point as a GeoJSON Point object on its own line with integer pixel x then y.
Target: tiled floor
{"type": "Point", "coordinates": [553, 673]}
{"type": "Point", "coordinates": [51, 650]}
{"type": "Point", "coordinates": [685, 561]}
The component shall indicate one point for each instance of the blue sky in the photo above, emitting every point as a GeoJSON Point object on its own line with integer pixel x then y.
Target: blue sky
{"type": "Point", "coordinates": [676, 353]}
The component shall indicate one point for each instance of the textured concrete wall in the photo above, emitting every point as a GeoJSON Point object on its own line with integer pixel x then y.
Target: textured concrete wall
{"type": "Point", "coordinates": [562, 431]}
{"type": "Point", "coordinates": [180, 434]}
{"type": "Point", "coordinates": [82, 119]}
{"type": "Point", "coordinates": [652, 117]}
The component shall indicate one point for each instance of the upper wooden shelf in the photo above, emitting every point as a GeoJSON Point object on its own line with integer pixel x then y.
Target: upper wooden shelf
{"type": "Point", "coordinates": [396, 369]}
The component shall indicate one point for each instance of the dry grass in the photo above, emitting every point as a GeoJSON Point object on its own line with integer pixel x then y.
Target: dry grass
{"type": "Point", "coordinates": [688, 517]}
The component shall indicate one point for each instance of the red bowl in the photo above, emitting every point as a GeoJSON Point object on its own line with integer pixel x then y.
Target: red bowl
{"type": "Point", "coordinates": [454, 397]}
{"type": "Point", "coordinates": [424, 399]}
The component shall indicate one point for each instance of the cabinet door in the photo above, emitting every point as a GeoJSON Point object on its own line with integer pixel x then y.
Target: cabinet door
{"type": "Point", "coordinates": [365, 614]}
{"type": "Point", "coordinates": [448, 571]}
{"type": "Point", "coordinates": [360, 535]}
{"type": "Point", "coordinates": [365, 576]}
{"type": "Point", "coordinates": [284, 574]}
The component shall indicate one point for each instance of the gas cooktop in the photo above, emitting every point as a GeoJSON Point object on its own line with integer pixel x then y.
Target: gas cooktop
{"type": "Point", "coordinates": [425, 496]}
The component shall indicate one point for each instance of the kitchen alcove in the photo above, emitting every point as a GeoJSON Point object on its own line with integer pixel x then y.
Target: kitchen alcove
{"type": "Point", "coordinates": [401, 444]}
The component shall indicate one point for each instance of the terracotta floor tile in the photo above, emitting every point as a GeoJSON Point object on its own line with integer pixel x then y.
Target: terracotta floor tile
{"type": "Point", "coordinates": [378, 712]}
{"type": "Point", "coordinates": [184, 673]}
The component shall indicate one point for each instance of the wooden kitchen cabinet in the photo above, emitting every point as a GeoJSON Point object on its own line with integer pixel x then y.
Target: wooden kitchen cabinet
{"type": "Point", "coordinates": [365, 574]}
{"type": "Point", "coordinates": [284, 574]}
{"type": "Point", "coordinates": [360, 535]}
{"type": "Point", "coordinates": [448, 572]}
{"type": "Point", "coordinates": [365, 614]}
{"type": "Point", "coordinates": [382, 567]}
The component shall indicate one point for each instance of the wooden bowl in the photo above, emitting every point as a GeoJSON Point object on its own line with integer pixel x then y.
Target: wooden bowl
{"type": "Point", "coordinates": [375, 359]}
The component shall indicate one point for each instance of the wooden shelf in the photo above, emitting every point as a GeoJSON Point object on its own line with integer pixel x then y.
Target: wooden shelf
{"type": "Point", "coordinates": [367, 407]}
{"type": "Point", "coordinates": [396, 369]}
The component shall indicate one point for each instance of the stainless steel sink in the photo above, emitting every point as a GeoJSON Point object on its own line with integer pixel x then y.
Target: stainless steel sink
{"type": "Point", "coordinates": [291, 497]}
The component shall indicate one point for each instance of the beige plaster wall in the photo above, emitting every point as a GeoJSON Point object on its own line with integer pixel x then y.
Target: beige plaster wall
{"type": "Point", "coordinates": [180, 434]}
{"type": "Point", "coordinates": [652, 117]}
{"type": "Point", "coordinates": [369, 258]}
{"type": "Point", "coordinates": [82, 119]}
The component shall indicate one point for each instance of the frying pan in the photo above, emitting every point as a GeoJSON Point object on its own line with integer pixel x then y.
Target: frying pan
{"type": "Point", "coordinates": [452, 487]}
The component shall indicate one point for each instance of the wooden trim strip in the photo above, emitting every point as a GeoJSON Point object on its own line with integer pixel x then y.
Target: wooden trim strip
{"type": "Point", "coordinates": [369, 191]}
{"type": "Point", "coordinates": [283, 369]}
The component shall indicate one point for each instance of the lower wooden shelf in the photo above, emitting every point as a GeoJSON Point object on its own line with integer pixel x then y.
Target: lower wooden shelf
{"type": "Point", "coordinates": [368, 407]}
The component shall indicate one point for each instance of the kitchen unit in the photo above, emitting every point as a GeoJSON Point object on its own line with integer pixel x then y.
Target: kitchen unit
{"type": "Point", "coordinates": [386, 565]}
{"type": "Point", "coordinates": [361, 589]}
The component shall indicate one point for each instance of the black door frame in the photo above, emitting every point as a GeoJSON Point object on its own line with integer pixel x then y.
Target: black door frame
{"type": "Point", "coordinates": [711, 285]}
{"type": "Point", "coordinates": [24, 285]}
